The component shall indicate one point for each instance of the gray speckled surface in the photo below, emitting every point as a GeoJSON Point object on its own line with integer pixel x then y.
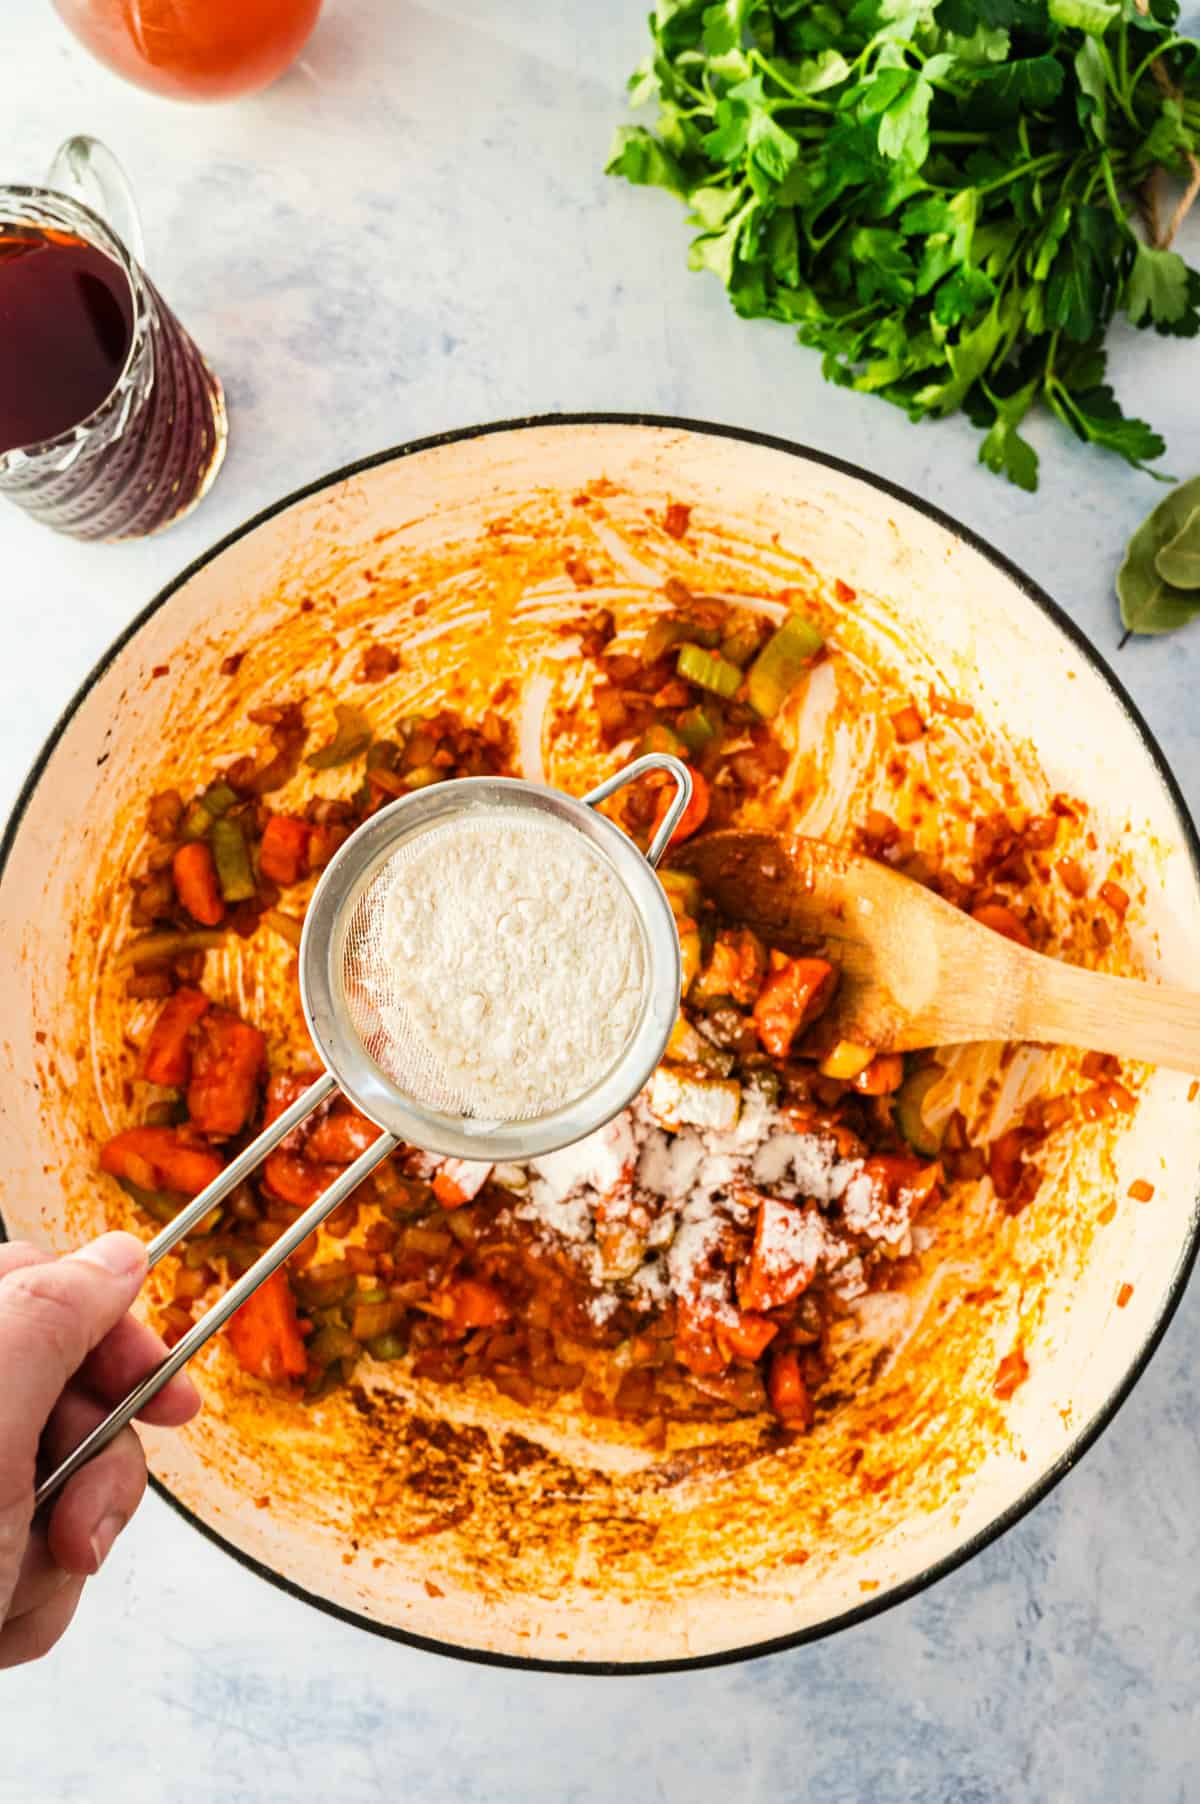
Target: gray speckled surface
{"type": "Point", "coordinates": [411, 232]}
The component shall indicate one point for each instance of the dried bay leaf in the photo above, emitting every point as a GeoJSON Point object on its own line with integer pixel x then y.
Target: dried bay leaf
{"type": "Point", "coordinates": [1149, 602]}
{"type": "Point", "coordinates": [1179, 562]}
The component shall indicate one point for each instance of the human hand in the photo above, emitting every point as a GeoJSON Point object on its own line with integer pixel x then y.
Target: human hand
{"type": "Point", "coordinates": [68, 1352]}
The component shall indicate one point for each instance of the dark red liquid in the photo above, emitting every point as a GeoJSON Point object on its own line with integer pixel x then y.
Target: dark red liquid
{"type": "Point", "coordinates": [92, 353]}
{"type": "Point", "coordinates": [66, 323]}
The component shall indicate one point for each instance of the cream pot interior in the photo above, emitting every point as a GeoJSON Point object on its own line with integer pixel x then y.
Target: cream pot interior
{"type": "Point", "coordinates": [454, 1516]}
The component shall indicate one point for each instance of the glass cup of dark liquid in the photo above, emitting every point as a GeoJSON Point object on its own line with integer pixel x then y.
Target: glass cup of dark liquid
{"type": "Point", "coordinates": [111, 423]}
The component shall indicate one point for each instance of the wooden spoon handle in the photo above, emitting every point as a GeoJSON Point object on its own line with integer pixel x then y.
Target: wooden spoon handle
{"type": "Point", "coordinates": [1066, 1006]}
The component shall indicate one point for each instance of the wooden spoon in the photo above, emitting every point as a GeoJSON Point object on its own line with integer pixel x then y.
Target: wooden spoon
{"type": "Point", "coordinates": [916, 971]}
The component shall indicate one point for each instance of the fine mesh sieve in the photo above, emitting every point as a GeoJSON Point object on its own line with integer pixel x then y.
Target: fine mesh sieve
{"type": "Point", "coordinates": [341, 997]}
{"type": "Point", "coordinates": [357, 1020]}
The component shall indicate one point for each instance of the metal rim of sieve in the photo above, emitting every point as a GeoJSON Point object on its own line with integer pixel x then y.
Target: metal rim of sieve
{"type": "Point", "coordinates": [332, 909]}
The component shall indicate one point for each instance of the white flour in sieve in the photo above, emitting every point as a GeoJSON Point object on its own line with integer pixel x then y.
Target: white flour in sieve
{"type": "Point", "coordinates": [514, 962]}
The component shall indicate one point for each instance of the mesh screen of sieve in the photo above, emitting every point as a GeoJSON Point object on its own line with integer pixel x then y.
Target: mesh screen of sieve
{"type": "Point", "coordinates": [495, 968]}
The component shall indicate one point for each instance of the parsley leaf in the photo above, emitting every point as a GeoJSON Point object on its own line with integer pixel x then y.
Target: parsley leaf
{"type": "Point", "coordinates": [1004, 450]}
{"type": "Point", "coordinates": [1095, 415]}
{"type": "Point", "coordinates": [1030, 81]}
{"type": "Point", "coordinates": [1161, 291]}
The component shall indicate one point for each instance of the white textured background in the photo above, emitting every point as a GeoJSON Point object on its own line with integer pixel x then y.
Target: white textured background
{"type": "Point", "coordinates": [412, 232]}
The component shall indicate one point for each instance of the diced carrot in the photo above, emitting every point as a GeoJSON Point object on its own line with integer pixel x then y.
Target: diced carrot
{"type": "Point", "coordinates": [1002, 920]}
{"type": "Point", "coordinates": [747, 1337]}
{"type": "Point", "coordinates": [694, 815]}
{"type": "Point", "coordinates": [160, 1158]}
{"type": "Point", "coordinates": [1012, 1371]}
{"type": "Point", "coordinates": [884, 1074]}
{"type": "Point", "coordinates": [168, 1055]}
{"type": "Point", "coordinates": [226, 1067]}
{"type": "Point", "coordinates": [696, 1345]}
{"type": "Point", "coordinates": [283, 855]}
{"type": "Point", "coordinates": [783, 1258]}
{"type": "Point", "coordinates": [794, 994]}
{"type": "Point", "coordinates": [788, 1392]}
{"type": "Point", "coordinates": [266, 1335]}
{"type": "Point", "coordinates": [1073, 875]}
{"type": "Point", "coordinates": [902, 1181]}
{"type": "Point", "coordinates": [196, 883]}
{"type": "Point", "coordinates": [1123, 1295]}
{"type": "Point", "coordinates": [341, 1137]}
{"type": "Point", "coordinates": [1116, 897]}
{"type": "Point", "coordinates": [283, 1089]}
{"type": "Point", "coordinates": [907, 725]}
{"type": "Point", "coordinates": [1140, 1191]}
{"type": "Point", "coordinates": [460, 1181]}
{"type": "Point", "coordinates": [296, 1180]}
{"type": "Point", "coordinates": [470, 1303]}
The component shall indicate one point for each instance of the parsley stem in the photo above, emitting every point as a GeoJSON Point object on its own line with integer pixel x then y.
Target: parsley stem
{"type": "Point", "coordinates": [770, 70]}
{"type": "Point", "coordinates": [1118, 91]}
{"type": "Point", "coordinates": [1046, 161]}
{"type": "Point", "coordinates": [1172, 43]}
{"type": "Point", "coordinates": [1123, 58]}
{"type": "Point", "coordinates": [1114, 199]}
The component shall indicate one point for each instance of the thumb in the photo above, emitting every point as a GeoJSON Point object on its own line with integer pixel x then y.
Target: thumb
{"type": "Point", "coordinates": [51, 1317]}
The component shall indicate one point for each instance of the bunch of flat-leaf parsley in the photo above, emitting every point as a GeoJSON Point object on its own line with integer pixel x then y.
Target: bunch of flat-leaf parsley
{"type": "Point", "coordinates": [950, 199]}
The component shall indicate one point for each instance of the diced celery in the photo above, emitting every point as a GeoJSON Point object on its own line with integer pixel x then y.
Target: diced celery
{"type": "Point", "coordinates": [697, 729]}
{"type": "Point", "coordinates": [672, 629]}
{"type": "Point", "coordinates": [708, 670]}
{"type": "Point", "coordinates": [329, 1344]}
{"type": "Point", "coordinates": [910, 1120]}
{"type": "Point", "coordinates": [219, 798]}
{"type": "Point", "coordinates": [155, 1203]}
{"type": "Point", "coordinates": [232, 859]}
{"type": "Point", "coordinates": [197, 822]}
{"type": "Point", "coordinates": [740, 645]}
{"type": "Point", "coordinates": [660, 738]}
{"type": "Point", "coordinates": [766, 1083]}
{"type": "Point", "coordinates": [781, 663]}
{"type": "Point", "coordinates": [683, 892]}
{"type": "Point", "coordinates": [352, 736]}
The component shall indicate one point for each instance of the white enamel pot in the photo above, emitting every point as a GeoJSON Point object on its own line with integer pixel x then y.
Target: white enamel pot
{"type": "Point", "coordinates": [457, 1520]}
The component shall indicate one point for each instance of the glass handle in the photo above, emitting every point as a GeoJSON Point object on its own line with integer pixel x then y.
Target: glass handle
{"type": "Point", "coordinates": [682, 777]}
{"type": "Point", "coordinates": [87, 170]}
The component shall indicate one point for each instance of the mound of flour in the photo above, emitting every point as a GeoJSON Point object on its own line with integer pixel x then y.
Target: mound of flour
{"type": "Point", "coordinates": [515, 962]}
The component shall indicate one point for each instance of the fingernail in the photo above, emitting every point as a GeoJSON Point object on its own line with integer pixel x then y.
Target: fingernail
{"type": "Point", "coordinates": [104, 1537]}
{"type": "Point", "coordinates": [121, 1254]}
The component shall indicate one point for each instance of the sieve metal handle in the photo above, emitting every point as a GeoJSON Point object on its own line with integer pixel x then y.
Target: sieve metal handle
{"type": "Point", "coordinates": [240, 1168]}
{"type": "Point", "coordinates": [675, 768]}
{"type": "Point", "coordinates": [343, 1186]}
